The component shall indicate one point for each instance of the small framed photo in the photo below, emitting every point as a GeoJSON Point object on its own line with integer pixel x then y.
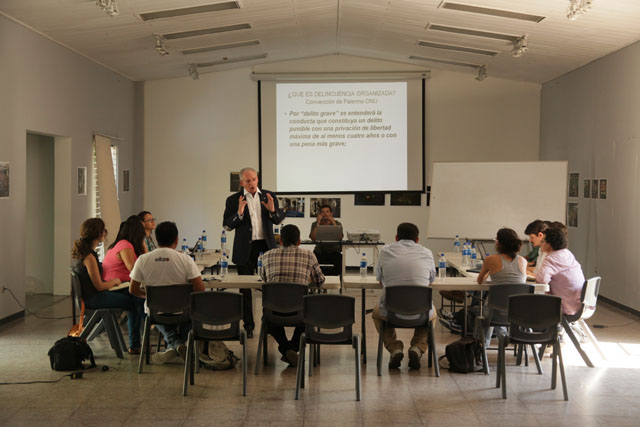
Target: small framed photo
{"type": "Point", "coordinates": [587, 189]}
{"type": "Point", "coordinates": [234, 182]}
{"type": "Point", "coordinates": [572, 215]}
{"type": "Point", "coordinates": [368, 199]}
{"type": "Point", "coordinates": [316, 203]}
{"type": "Point", "coordinates": [603, 188]}
{"type": "Point", "coordinates": [574, 179]}
{"type": "Point", "coordinates": [293, 206]}
{"type": "Point", "coordinates": [594, 188]}
{"type": "Point", "coordinates": [82, 181]}
{"type": "Point", "coordinates": [406, 198]}
{"type": "Point", "coordinates": [4, 180]}
{"type": "Point", "coordinates": [125, 180]}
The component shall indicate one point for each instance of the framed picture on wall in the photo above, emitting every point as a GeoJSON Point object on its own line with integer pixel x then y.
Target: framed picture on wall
{"type": "Point", "coordinates": [587, 189]}
{"type": "Point", "coordinates": [316, 203]}
{"type": "Point", "coordinates": [594, 188]}
{"type": "Point", "coordinates": [293, 206]}
{"type": "Point", "coordinates": [4, 180]}
{"type": "Point", "coordinates": [603, 188]}
{"type": "Point", "coordinates": [406, 198]}
{"type": "Point", "coordinates": [82, 181]}
{"type": "Point", "coordinates": [368, 199]}
{"type": "Point", "coordinates": [125, 180]}
{"type": "Point", "coordinates": [572, 215]}
{"type": "Point", "coordinates": [234, 181]}
{"type": "Point", "coordinates": [574, 179]}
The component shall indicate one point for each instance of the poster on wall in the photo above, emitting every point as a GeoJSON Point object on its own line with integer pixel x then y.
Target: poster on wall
{"type": "Point", "coordinates": [574, 179]}
{"type": "Point", "coordinates": [125, 180]}
{"type": "Point", "coordinates": [316, 203]}
{"type": "Point", "coordinates": [4, 180]}
{"type": "Point", "coordinates": [368, 199]}
{"type": "Point", "coordinates": [82, 181]}
{"type": "Point", "coordinates": [406, 198]}
{"type": "Point", "coordinates": [293, 206]}
{"type": "Point", "coordinates": [603, 188]}
{"type": "Point", "coordinates": [572, 215]}
{"type": "Point", "coordinates": [587, 189]}
{"type": "Point", "coordinates": [594, 188]}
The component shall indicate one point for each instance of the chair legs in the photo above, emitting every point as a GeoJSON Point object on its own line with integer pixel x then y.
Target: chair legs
{"type": "Point", "coordinates": [576, 342]}
{"type": "Point", "coordinates": [243, 341]}
{"type": "Point", "coordinates": [262, 347]}
{"type": "Point", "coordinates": [146, 344]}
{"type": "Point", "coordinates": [432, 350]}
{"type": "Point", "coordinates": [188, 364]}
{"type": "Point", "coordinates": [380, 339]}
{"type": "Point", "coordinates": [300, 373]}
{"type": "Point", "coordinates": [114, 333]}
{"type": "Point", "coordinates": [356, 347]}
{"type": "Point", "coordinates": [592, 337]}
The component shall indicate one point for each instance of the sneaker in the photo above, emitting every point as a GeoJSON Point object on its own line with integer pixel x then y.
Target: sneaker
{"type": "Point", "coordinates": [452, 326]}
{"type": "Point", "coordinates": [182, 351]}
{"type": "Point", "coordinates": [447, 315]}
{"type": "Point", "coordinates": [291, 357]}
{"type": "Point", "coordinates": [396, 359]}
{"type": "Point", "coordinates": [414, 358]}
{"type": "Point", "coordinates": [163, 357]}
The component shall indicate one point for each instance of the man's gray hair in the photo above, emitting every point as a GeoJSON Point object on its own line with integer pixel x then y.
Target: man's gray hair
{"type": "Point", "coordinates": [243, 170]}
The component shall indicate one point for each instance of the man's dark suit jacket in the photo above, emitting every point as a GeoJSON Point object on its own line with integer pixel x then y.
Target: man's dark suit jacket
{"type": "Point", "coordinates": [242, 239]}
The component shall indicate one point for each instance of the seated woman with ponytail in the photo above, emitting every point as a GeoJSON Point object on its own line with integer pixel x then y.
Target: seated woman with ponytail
{"type": "Point", "coordinates": [95, 290]}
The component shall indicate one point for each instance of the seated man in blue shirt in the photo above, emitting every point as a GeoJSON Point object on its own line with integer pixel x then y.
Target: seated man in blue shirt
{"type": "Point", "coordinates": [404, 262]}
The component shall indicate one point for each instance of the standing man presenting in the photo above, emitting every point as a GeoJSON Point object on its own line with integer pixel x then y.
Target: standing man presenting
{"type": "Point", "coordinates": [251, 212]}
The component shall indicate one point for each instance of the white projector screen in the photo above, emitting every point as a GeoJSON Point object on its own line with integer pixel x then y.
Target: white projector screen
{"type": "Point", "coordinates": [333, 137]}
{"type": "Point", "coordinates": [474, 200]}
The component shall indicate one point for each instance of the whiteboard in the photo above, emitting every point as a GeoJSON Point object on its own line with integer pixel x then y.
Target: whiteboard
{"type": "Point", "coordinates": [474, 199]}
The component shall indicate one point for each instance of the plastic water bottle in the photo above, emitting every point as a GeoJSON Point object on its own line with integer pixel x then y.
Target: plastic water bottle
{"type": "Point", "coordinates": [442, 266]}
{"type": "Point", "coordinates": [199, 248]}
{"type": "Point", "coordinates": [185, 247]}
{"type": "Point", "coordinates": [223, 241]}
{"type": "Point", "coordinates": [224, 265]}
{"type": "Point", "coordinates": [260, 263]}
{"type": "Point", "coordinates": [474, 257]}
{"type": "Point", "coordinates": [204, 240]}
{"type": "Point", "coordinates": [363, 267]}
{"type": "Point", "coordinates": [456, 244]}
{"type": "Point", "coordinates": [465, 254]}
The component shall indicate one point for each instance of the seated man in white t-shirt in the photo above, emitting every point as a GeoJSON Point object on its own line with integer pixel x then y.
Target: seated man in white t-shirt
{"type": "Point", "coordinates": [161, 267]}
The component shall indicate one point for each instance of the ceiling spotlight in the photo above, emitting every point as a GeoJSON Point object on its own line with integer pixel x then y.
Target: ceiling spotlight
{"type": "Point", "coordinates": [577, 8]}
{"type": "Point", "coordinates": [193, 72]}
{"type": "Point", "coordinates": [482, 73]}
{"type": "Point", "coordinates": [110, 7]}
{"type": "Point", "coordinates": [160, 47]}
{"type": "Point", "coordinates": [520, 46]}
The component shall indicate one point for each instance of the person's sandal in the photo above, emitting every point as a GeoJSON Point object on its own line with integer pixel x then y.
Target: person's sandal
{"type": "Point", "coordinates": [133, 351]}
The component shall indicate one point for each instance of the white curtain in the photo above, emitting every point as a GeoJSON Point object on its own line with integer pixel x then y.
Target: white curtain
{"type": "Point", "coordinates": [109, 207]}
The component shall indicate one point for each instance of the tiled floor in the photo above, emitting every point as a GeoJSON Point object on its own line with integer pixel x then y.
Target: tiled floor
{"type": "Point", "coordinates": [605, 395]}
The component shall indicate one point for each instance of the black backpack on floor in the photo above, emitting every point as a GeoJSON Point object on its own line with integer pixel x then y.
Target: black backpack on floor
{"type": "Point", "coordinates": [68, 353]}
{"type": "Point", "coordinates": [463, 355]}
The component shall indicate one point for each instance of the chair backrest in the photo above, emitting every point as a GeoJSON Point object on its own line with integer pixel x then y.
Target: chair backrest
{"type": "Point", "coordinates": [407, 300]}
{"type": "Point", "coordinates": [498, 300]}
{"type": "Point", "coordinates": [77, 287]}
{"type": "Point", "coordinates": [534, 318]}
{"type": "Point", "coordinates": [329, 311]}
{"type": "Point", "coordinates": [216, 308]}
{"type": "Point", "coordinates": [282, 303]}
{"type": "Point", "coordinates": [169, 304]}
{"type": "Point", "coordinates": [589, 296]}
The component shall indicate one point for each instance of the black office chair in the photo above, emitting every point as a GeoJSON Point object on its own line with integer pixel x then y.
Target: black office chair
{"type": "Point", "coordinates": [281, 306]}
{"type": "Point", "coordinates": [98, 320]}
{"type": "Point", "coordinates": [497, 303]}
{"type": "Point", "coordinates": [327, 311]}
{"type": "Point", "coordinates": [533, 319]}
{"type": "Point", "coordinates": [408, 300]}
{"type": "Point", "coordinates": [168, 305]}
{"type": "Point", "coordinates": [210, 309]}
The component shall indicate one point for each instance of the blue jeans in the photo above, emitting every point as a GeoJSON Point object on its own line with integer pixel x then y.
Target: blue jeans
{"type": "Point", "coordinates": [175, 334]}
{"type": "Point", "coordinates": [132, 304]}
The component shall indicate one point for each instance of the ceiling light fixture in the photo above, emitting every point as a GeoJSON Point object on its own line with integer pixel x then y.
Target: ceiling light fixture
{"type": "Point", "coordinates": [110, 7]}
{"type": "Point", "coordinates": [577, 8]}
{"type": "Point", "coordinates": [160, 47]}
{"type": "Point", "coordinates": [482, 73]}
{"type": "Point", "coordinates": [193, 72]}
{"type": "Point", "coordinates": [520, 47]}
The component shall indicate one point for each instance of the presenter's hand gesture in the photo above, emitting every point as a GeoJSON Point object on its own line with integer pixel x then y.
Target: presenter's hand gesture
{"type": "Point", "coordinates": [242, 202]}
{"type": "Point", "coordinates": [269, 204]}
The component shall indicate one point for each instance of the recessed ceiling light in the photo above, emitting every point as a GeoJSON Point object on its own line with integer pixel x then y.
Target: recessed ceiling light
{"type": "Point", "coordinates": [215, 7]}
{"type": "Point", "coordinates": [457, 48]}
{"type": "Point", "coordinates": [220, 47]}
{"type": "Point", "coordinates": [471, 32]}
{"type": "Point", "coordinates": [491, 12]}
{"type": "Point", "coordinates": [204, 31]}
{"type": "Point", "coordinates": [228, 61]}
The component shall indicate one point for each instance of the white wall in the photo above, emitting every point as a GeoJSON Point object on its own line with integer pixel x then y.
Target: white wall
{"type": "Point", "coordinates": [196, 132]}
{"type": "Point", "coordinates": [590, 117]}
{"type": "Point", "coordinates": [40, 192]}
{"type": "Point", "coordinates": [50, 90]}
